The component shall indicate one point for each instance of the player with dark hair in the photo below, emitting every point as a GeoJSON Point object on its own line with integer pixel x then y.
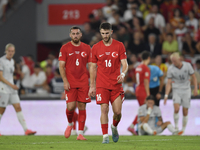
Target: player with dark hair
{"type": "Point", "coordinates": [147, 115]}
{"type": "Point", "coordinates": [142, 73]}
{"type": "Point", "coordinates": [106, 79]}
{"type": "Point", "coordinates": [73, 58]}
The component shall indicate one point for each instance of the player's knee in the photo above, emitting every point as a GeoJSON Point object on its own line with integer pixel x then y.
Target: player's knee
{"type": "Point", "coordinates": [2, 110]}
{"type": "Point", "coordinates": [104, 110]}
{"type": "Point", "coordinates": [176, 110]}
{"type": "Point", "coordinates": [117, 113]}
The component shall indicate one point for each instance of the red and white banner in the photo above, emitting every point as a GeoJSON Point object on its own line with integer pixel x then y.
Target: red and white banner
{"type": "Point", "coordinates": [64, 14]}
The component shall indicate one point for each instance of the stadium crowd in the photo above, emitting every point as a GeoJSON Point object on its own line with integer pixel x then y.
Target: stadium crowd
{"type": "Point", "coordinates": [158, 26]}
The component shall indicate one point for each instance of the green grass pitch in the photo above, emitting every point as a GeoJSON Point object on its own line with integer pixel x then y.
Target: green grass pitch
{"type": "Point", "coordinates": [94, 143]}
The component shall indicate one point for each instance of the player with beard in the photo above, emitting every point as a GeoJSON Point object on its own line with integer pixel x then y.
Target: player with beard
{"type": "Point", "coordinates": [106, 80]}
{"type": "Point", "coordinates": [73, 59]}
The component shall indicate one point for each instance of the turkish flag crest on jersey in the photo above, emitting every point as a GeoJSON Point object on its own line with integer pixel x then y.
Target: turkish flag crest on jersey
{"type": "Point", "coordinates": [114, 54]}
{"type": "Point", "coordinates": [83, 54]}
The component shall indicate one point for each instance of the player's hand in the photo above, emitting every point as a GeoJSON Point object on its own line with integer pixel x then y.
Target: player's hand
{"type": "Point", "coordinates": [195, 92]}
{"type": "Point", "coordinates": [158, 96]}
{"type": "Point", "coordinates": [14, 87]}
{"type": "Point", "coordinates": [165, 100]}
{"type": "Point", "coordinates": [120, 78]}
{"type": "Point", "coordinates": [92, 92]}
{"type": "Point", "coordinates": [67, 86]}
{"type": "Point", "coordinates": [159, 123]}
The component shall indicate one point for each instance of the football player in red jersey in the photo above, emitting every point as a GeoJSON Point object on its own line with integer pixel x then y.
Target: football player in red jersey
{"type": "Point", "coordinates": [73, 58]}
{"type": "Point", "coordinates": [142, 74]}
{"type": "Point", "coordinates": [106, 80]}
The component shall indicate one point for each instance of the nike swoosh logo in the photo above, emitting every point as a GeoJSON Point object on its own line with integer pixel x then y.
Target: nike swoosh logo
{"type": "Point", "coordinates": [71, 54]}
{"type": "Point", "coordinates": [101, 55]}
{"type": "Point", "coordinates": [87, 98]}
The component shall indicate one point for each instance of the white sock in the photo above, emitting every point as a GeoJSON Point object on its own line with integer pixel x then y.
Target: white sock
{"type": "Point", "coordinates": [80, 132]}
{"type": "Point", "coordinates": [184, 123]}
{"type": "Point", "coordinates": [176, 118]}
{"type": "Point", "coordinates": [105, 135]}
{"type": "Point", "coordinates": [171, 128]}
{"type": "Point", "coordinates": [147, 128]}
{"type": "Point", "coordinates": [70, 124]}
{"type": "Point", "coordinates": [132, 126]}
{"type": "Point", "coordinates": [22, 121]}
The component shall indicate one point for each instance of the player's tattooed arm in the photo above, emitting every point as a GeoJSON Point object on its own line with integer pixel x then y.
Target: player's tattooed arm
{"type": "Point", "coordinates": [63, 75]}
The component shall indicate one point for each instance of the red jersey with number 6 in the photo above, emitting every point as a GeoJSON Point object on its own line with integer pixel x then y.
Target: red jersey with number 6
{"type": "Point", "coordinates": [76, 58]}
{"type": "Point", "coordinates": [141, 72]}
{"type": "Point", "coordinates": [108, 59]}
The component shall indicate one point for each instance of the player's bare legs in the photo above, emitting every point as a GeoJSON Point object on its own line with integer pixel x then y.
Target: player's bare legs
{"type": "Point", "coordinates": [81, 120]}
{"type": "Point", "coordinates": [104, 122]}
{"type": "Point", "coordinates": [185, 118]}
{"type": "Point", "coordinates": [176, 115]}
{"type": "Point", "coordinates": [21, 119]}
{"type": "Point", "coordinates": [70, 113]}
{"type": "Point", "coordinates": [117, 107]}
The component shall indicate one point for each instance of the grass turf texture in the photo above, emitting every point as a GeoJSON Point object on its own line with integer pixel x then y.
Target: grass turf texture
{"type": "Point", "coordinates": [94, 143]}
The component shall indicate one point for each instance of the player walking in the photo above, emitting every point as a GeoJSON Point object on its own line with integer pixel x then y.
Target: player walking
{"type": "Point", "coordinates": [73, 58]}
{"type": "Point", "coordinates": [8, 90]}
{"type": "Point", "coordinates": [179, 80]}
{"type": "Point", "coordinates": [142, 89]}
{"type": "Point", "coordinates": [106, 80]}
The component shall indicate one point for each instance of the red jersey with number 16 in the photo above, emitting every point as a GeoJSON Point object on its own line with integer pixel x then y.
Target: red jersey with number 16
{"type": "Point", "coordinates": [141, 72]}
{"type": "Point", "coordinates": [108, 59]}
{"type": "Point", "coordinates": [76, 58]}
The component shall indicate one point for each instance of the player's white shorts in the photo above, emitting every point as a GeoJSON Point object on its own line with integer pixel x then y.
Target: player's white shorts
{"type": "Point", "coordinates": [6, 99]}
{"type": "Point", "coordinates": [182, 97]}
{"type": "Point", "coordinates": [158, 129]}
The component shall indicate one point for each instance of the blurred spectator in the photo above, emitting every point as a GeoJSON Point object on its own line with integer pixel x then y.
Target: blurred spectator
{"type": "Point", "coordinates": [49, 73]}
{"type": "Point", "coordinates": [38, 80]}
{"type": "Point", "coordinates": [95, 39]}
{"type": "Point", "coordinates": [153, 46]}
{"type": "Point", "coordinates": [28, 60]}
{"type": "Point", "coordinates": [3, 6]}
{"type": "Point", "coordinates": [132, 12]}
{"type": "Point", "coordinates": [164, 9]}
{"type": "Point", "coordinates": [168, 29]}
{"type": "Point", "coordinates": [145, 8]}
{"type": "Point", "coordinates": [174, 5]}
{"type": "Point", "coordinates": [129, 79]}
{"type": "Point", "coordinates": [94, 24]}
{"type": "Point", "coordinates": [168, 62]}
{"type": "Point", "coordinates": [56, 84]}
{"type": "Point", "coordinates": [170, 45]}
{"type": "Point", "coordinates": [180, 33]}
{"type": "Point", "coordinates": [159, 20]}
{"type": "Point", "coordinates": [130, 2]}
{"type": "Point", "coordinates": [151, 29]}
{"type": "Point", "coordinates": [187, 6]}
{"type": "Point", "coordinates": [189, 46]}
{"type": "Point", "coordinates": [136, 46]}
{"type": "Point", "coordinates": [100, 17]}
{"type": "Point", "coordinates": [197, 66]}
{"type": "Point", "coordinates": [196, 10]}
{"type": "Point", "coordinates": [162, 66]}
{"type": "Point", "coordinates": [51, 60]}
{"type": "Point", "coordinates": [123, 36]}
{"type": "Point", "coordinates": [176, 19]}
{"type": "Point", "coordinates": [107, 10]}
{"type": "Point", "coordinates": [115, 19]}
{"type": "Point", "coordinates": [87, 33]}
{"type": "Point", "coordinates": [192, 23]}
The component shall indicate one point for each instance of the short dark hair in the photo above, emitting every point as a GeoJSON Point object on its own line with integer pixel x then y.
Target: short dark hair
{"type": "Point", "coordinates": [150, 97]}
{"type": "Point", "coordinates": [105, 26]}
{"type": "Point", "coordinates": [145, 55]}
{"type": "Point", "coordinates": [37, 66]}
{"type": "Point", "coordinates": [198, 61]}
{"type": "Point", "coordinates": [74, 27]}
{"type": "Point", "coordinates": [170, 34]}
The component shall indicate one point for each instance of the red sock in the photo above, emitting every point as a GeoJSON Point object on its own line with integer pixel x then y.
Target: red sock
{"type": "Point", "coordinates": [70, 115]}
{"type": "Point", "coordinates": [81, 119]}
{"type": "Point", "coordinates": [75, 118]}
{"type": "Point", "coordinates": [135, 121]}
{"type": "Point", "coordinates": [104, 128]}
{"type": "Point", "coordinates": [115, 123]}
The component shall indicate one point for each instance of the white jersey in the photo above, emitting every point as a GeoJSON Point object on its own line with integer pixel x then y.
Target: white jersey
{"type": "Point", "coordinates": [7, 66]}
{"type": "Point", "coordinates": [180, 77]}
